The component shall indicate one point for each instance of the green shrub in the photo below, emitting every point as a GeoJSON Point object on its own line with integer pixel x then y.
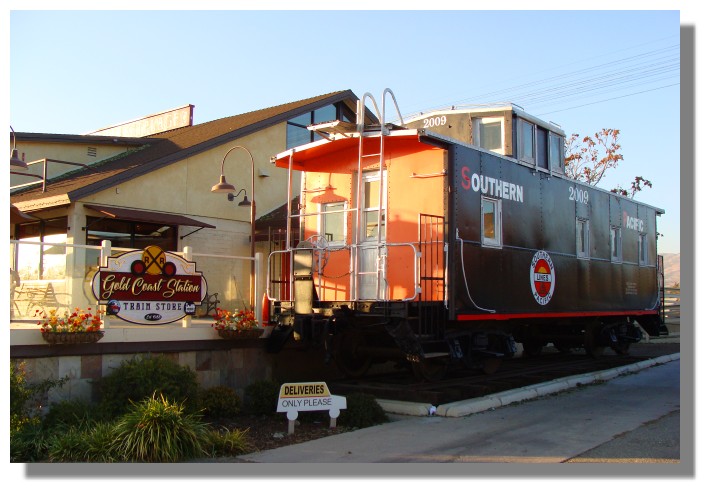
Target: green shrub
{"type": "Point", "coordinates": [226, 443]}
{"type": "Point", "coordinates": [140, 378]}
{"type": "Point", "coordinates": [71, 413]}
{"type": "Point", "coordinates": [158, 430]}
{"type": "Point", "coordinates": [68, 445]}
{"type": "Point", "coordinates": [30, 443]}
{"type": "Point", "coordinates": [89, 443]}
{"type": "Point", "coordinates": [100, 444]}
{"type": "Point", "coordinates": [219, 402]}
{"type": "Point", "coordinates": [25, 398]}
{"type": "Point", "coordinates": [363, 411]}
{"type": "Point", "coordinates": [29, 439]}
{"type": "Point", "coordinates": [262, 397]}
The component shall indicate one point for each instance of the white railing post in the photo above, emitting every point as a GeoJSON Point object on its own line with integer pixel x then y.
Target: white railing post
{"type": "Point", "coordinates": [258, 259]}
{"type": "Point", "coordinates": [103, 262]}
{"type": "Point", "coordinates": [187, 255]}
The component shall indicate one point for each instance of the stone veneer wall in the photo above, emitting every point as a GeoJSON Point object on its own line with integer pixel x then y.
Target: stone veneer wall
{"type": "Point", "coordinates": [233, 367]}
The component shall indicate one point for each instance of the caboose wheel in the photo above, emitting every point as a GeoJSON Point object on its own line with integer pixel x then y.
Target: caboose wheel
{"type": "Point", "coordinates": [491, 365]}
{"type": "Point", "coordinates": [347, 353]}
{"type": "Point", "coordinates": [532, 348]}
{"type": "Point", "coordinates": [621, 348]}
{"type": "Point", "coordinates": [591, 346]}
{"type": "Point", "coordinates": [431, 370]}
{"type": "Point", "coordinates": [563, 348]}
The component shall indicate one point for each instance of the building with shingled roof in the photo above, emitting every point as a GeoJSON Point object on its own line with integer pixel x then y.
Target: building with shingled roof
{"type": "Point", "coordinates": [148, 182]}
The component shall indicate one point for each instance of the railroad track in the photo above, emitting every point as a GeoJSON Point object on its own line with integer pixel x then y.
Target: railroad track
{"type": "Point", "coordinates": [514, 373]}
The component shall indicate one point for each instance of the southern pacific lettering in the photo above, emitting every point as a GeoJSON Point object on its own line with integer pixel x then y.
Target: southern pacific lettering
{"type": "Point", "coordinates": [490, 186]}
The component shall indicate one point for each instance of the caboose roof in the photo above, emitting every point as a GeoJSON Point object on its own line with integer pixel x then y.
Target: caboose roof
{"type": "Point", "coordinates": [321, 148]}
{"type": "Point", "coordinates": [487, 109]}
{"type": "Point", "coordinates": [350, 143]}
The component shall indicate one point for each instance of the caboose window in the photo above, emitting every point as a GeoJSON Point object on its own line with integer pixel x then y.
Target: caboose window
{"type": "Point", "coordinates": [582, 238]}
{"type": "Point", "coordinates": [615, 244]}
{"type": "Point", "coordinates": [557, 153]}
{"type": "Point", "coordinates": [332, 225]}
{"type": "Point", "coordinates": [542, 152]}
{"type": "Point", "coordinates": [488, 134]}
{"type": "Point", "coordinates": [643, 249]}
{"type": "Point", "coordinates": [370, 207]}
{"type": "Point", "coordinates": [526, 141]}
{"type": "Point", "coordinates": [490, 222]}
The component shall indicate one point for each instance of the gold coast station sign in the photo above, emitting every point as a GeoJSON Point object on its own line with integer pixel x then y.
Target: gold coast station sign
{"type": "Point", "coordinates": [149, 287]}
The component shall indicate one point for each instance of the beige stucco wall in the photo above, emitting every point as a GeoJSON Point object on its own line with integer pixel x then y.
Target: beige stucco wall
{"type": "Point", "coordinates": [184, 187]}
{"type": "Point", "coordinates": [72, 152]}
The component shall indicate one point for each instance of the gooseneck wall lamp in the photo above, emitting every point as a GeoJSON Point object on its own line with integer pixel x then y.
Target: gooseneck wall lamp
{"type": "Point", "coordinates": [224, 187]}
{"type": "Point", "coordinates": [16, 163]}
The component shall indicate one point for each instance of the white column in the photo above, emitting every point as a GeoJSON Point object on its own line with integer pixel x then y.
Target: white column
{"type": "Point", "coordinates": [187, 255]}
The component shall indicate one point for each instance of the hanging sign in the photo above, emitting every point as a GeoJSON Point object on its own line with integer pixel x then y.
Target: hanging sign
{"type": "Point", "coordinates": [149, 286]}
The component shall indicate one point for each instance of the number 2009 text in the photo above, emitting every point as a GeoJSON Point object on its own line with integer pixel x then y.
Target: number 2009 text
{"type": "Point", "coordinates": [579, 195]}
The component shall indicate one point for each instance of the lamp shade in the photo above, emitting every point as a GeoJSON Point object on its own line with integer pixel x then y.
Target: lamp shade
{"type": "Point", "coordinates": [223, 186]}
{"type": "Point", "coordinates": [17, 163]}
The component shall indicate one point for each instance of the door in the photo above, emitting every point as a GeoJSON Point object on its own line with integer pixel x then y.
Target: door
{"type": "Point", "coordinates": [372, 253]}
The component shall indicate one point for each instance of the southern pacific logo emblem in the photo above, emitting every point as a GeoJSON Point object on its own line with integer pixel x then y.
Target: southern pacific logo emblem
{"type": "Point", "coordinates": [542, 277]}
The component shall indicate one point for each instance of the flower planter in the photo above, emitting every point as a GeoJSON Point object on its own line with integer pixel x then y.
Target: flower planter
{"type": "Point", "coordinates": [240, 334]}
{"type": "Point", "coordinates": [72, 337]}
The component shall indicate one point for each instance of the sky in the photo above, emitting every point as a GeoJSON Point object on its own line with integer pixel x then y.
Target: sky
{"type": "Point", "coordinates": [74, 71]}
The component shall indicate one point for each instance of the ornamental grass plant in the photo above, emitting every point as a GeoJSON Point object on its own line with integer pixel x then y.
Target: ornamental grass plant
{"type": "Point", "coordinates": [157, 430]}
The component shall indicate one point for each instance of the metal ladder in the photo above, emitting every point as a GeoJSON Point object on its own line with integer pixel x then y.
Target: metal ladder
{"type": "Point", "coordinates": [384, 131]}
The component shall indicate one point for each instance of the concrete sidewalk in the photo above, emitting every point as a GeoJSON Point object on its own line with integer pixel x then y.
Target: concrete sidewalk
{"type": "Point", "coordinates": [549, 429]}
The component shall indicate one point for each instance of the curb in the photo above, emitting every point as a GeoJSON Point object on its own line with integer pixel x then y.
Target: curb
{"type": "Point", "coordinates": [489, 402]}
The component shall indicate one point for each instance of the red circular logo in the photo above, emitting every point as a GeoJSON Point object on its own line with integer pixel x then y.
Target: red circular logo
{"type": "Point", "coordinates": [542, 277]}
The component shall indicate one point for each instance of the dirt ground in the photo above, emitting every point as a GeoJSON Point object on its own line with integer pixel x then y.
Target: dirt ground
{"type": "Point", "coordinates": [268, 432]}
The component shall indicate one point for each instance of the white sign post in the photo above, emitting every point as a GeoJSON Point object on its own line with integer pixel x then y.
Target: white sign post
{"type": "Point", "coordinates": [308, 396]}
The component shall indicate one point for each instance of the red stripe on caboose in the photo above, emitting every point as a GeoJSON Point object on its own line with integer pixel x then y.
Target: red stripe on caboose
{"type": "Point", "coordinates": [509, 316]}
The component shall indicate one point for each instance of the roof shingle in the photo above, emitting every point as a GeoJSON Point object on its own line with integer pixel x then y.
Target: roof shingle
{"type": "Point", "coordinates": [169, 147]}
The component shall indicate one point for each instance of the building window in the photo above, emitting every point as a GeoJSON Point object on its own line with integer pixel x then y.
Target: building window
{"type": "Point", "coordinates": [582, 238]}
{"type": "Point", "coordinates": [42, 262]}
{"type": "Point", "coordinates": [332, 223]}
{"type": "Point", "coordinates": [488, 133]}
{"type": "Point", "coordinates": [297, 132]}
{"type": "Point", "coordinates": [616, 244]}
{"type": "Point", "coordinates": [643, 249]}
{"type": "Point", "coordinates": [526, 141]}
{"type": "Point", "coordinates": [490, 222]}
{"type": "Point", "coordinates": [127, 234]}
{"type": "Point", "coordinates": [557, 153]}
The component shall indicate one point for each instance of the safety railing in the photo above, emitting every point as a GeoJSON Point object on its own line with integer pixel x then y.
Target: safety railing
{"type": "Point", "coordinates": [280, 267]}
{"type": "Point", "coordinates": [42, 281]}
{"type": "Point", "coordinates": [671, 307]}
